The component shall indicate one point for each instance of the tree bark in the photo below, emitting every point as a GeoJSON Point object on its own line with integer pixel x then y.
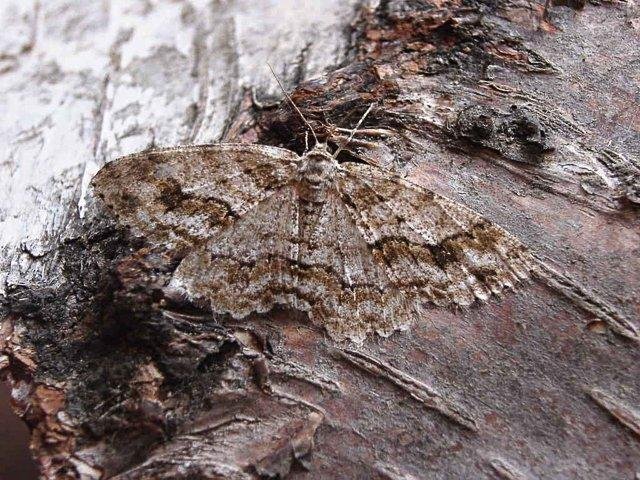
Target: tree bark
{"type": "Point", "coordinates": [525, 112]}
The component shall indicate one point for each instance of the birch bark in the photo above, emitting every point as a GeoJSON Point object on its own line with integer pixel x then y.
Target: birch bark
{"type": "Point", "coordinates": [524, 111]}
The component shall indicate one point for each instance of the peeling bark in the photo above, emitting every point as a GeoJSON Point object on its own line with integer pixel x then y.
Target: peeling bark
{"type": "Point", "coordinates": [524, 112]}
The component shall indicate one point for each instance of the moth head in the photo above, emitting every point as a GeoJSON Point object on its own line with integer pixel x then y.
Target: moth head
{"type": "Point", "coordinates": [320, 150]}
{"type": "Point", "coordinates": [318, 166]}
{"type": "Point", "coordinates": [316, 173]}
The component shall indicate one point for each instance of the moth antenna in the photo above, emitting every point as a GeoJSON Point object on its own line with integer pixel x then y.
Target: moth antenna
{"type": "Point", "coordinates": [293, 104]}
{"type": "Point", "coordinates": [353, 132]}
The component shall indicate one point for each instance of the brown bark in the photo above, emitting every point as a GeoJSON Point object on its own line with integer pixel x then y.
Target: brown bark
{"type": "Point", "coordinates": [526, 113]}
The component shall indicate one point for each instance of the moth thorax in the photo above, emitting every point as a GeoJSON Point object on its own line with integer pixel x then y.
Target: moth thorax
{"type": "Point", "coordinates": [317, 170]}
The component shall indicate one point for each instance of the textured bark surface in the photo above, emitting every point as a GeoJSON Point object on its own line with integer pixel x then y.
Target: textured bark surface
{"type": "Point", "coordinates": [525, 112]}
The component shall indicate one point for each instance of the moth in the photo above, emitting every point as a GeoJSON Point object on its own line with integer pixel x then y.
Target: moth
{"type": "Point", "coordinates": [357, 247]}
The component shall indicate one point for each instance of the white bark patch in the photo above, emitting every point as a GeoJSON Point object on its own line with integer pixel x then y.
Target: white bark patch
{"type": "Point", "coordinates": [83, 82]}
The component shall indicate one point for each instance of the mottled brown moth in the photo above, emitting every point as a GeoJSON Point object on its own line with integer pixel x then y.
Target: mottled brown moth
{"type": "Point", "coordinates": [357, 247]}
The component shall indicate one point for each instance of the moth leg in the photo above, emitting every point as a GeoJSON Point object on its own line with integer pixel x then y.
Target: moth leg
{"type": "Point", "coordinates": [355, 142]}
{"type": "Point", "coordinates": [375, 132]}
